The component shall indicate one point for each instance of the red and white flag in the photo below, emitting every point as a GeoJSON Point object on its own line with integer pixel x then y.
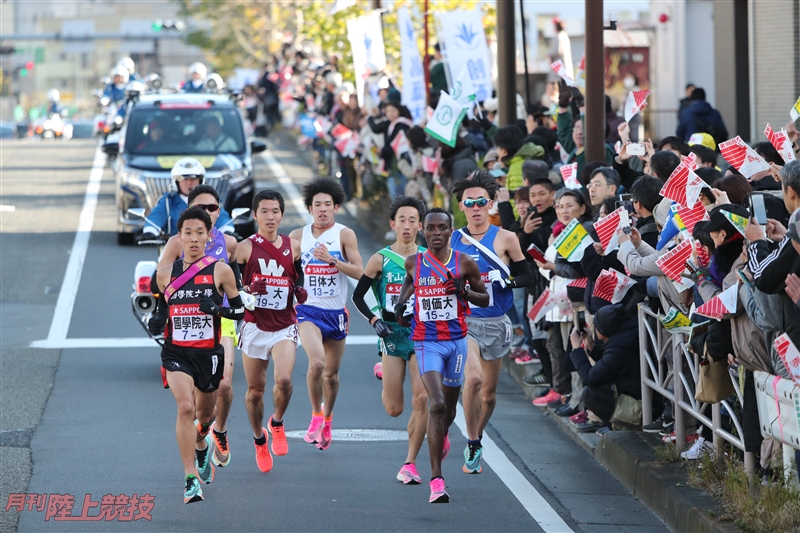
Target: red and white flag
{"type": "Point", "coordinates": [400, 144]}
{"type": "Point", "coordinates": [340, 130]}
{"type": "Point", "coordinates": [703, 259]}
{"type": "Point", "coordinates": [790, 356]}
{"type": "Point", "coordinates": [579, 283]}
{"type": "Point", "coordinates": [780, 140]}
{"type": "Point", "coordinates": [612, 286]}
{"type": "Point", "coordinates": [562, 153]}
{"type": "Point", "coordinates": [683, 186]}
{"type": "Point", "coordinates": [540, 307]}
{"type": "Point", "coordinates": [569, 173]}
{"type": "Point", "coordinates": [610, 227]}
{"type": "Point", "coordinates": [559, 68]}
{"type": "Point", "coordinates": [722, 304]}
{"type": "Point", "coordinates": [347, 145]}
{"type": "Point", "coordinates": [637, 100]}
{"type": "Point", "coordinates": [689, 217]}
{"type": "Point", "coordinates": [429, 164]}
{"type": "Point", "coordinates": [673, 263]}
{"type": "Point", "coordinates": [691, 160]}
{"type": "Point", "coordinates": [742, 157]}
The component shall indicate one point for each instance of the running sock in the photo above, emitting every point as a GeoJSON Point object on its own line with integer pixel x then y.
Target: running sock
{"type": "Point", "coordinates": [262, 440]}
{"type": "Point", "coordinates": [328, 419]}
{"type": "Point", "coordinates": [189, 476]}
{"type": "Point", "coordinates": [277, 423]}
{"type": "Point", "coordinates": [437, 477]}
{"type": "Point", "coordinates": [474, 443]}
{"type": "Point", "coordinates": [220, 433]}
{"type": "Point", "coordinates": [316, 414]}
{"type": "Point", "coordinates": [201, 455]}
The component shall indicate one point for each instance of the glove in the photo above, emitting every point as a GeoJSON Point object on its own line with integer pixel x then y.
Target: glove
{"type": "Point", "coordinates": [300, 294]}
{"type": "Point", "coordinates": [382, 328]}
{"type": "Point", "coordinates": [497, 277]}
{"type": "Point", "coordinates": [577, 96]}
{"type": "Point", "coordinates": [145, 236]}
{"type": "Point", "coordinates": [453, 285]}
{"type": "Point", "coordinates": [258, 287]}
{"type": "Point", "coordinates": [564, 94]}
{"type": "Point", "coordinates": [400, 315]}
{"type": "Point", "coordinates": [158, 320]}
{"type": "Point", "coordinates": [248, 300]}
{"type": "Point", "coordinates": [208, 306]}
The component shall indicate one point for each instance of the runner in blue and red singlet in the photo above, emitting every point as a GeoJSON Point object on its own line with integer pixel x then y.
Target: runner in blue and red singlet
{"type": "Point", "coordinates": [443, 283]}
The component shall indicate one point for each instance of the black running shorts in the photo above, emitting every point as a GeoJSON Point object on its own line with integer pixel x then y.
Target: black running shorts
{"type": "Point", "coordinates": [205, 366]}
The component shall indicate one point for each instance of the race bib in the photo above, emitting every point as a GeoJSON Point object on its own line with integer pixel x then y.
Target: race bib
{"type": "Point", "coordinates": [322, 281]}
{"type": "Point", "coordinates": [434, 305]}
{"type": "Point", "coordinates": [489, 289]}
{"type": "Point", "coordinates": [392, 295]}
{"type": "Point", "coordinates": [190, 325]}
{"type": "Point", "coordinates": [276, 295]}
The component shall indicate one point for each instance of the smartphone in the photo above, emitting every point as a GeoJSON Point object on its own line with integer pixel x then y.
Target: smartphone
{"type": "Point", "coordinates": [757, 209]}
{"type": "Point", "coordinates": [532, 211]}
{"type": "Point", "coordinates": [635, 149]}
{"type": "Point", "coordinates": [536, 253]}
{"type": "Point", "coordinates": [580, 322]}
{"type": "Point", "coordinates": [627, 204]}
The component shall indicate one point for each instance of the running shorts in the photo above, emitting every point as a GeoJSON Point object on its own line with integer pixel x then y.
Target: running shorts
{"type": "Point", "coordinates": [258, 344]}
{"type": "Point", "coordinates": [205, 366]}
{"type": "Point", "coordinates": [398, 344]}
{"type": "Point", "coordinates": [492, 335]}
{"type": "Point", "coordinates": [229, 329]}
{"type": "Point", "coordinates": [445, 357]}
{"type": "Point", "coordinates": [332, 323]}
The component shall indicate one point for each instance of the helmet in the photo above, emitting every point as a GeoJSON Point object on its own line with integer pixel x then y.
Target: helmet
{"type": "Point", "coordinates": [135, 87]}
{"type": "Point", "coordinates": [120, 71]}
{"type": "Point", "coordinates": [214, 82]}
{"type": "Point", "coordinates": [199, 68]}
{"type": "Point", "coordinates": [53, 95]}
{"type": "Point", "coordinates": [187, 168]}
{"type": "Point", "coordinates": [127, 63]}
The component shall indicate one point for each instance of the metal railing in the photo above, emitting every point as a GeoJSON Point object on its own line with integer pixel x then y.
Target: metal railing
{"type": "Point", "coordinates": [673, 371]}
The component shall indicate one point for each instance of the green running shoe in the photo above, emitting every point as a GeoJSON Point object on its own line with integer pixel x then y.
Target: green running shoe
{"type": "Point", "coordinates": [193, 492]}
{"type": "Point", "coordinates": [205, 471]}
{"type": "Point", "coordinates": [472, 459]}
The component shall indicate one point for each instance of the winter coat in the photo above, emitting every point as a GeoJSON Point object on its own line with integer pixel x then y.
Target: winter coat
{"type": "Point", "coordinates": [700, 117]}
{"type": "Point", "coordinates": [528, 151]}
{"type": "Point", "coordinates": [163, 218]}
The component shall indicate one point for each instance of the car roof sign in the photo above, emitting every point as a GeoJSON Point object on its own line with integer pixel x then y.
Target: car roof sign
{"type": "Point", "coordinates": [185, 105]}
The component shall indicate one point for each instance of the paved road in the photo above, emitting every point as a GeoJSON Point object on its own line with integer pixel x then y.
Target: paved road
{"type": "Point", "coordinates": [107, 427]}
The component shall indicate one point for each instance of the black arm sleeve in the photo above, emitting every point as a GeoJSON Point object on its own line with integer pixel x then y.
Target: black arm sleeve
{"type": "Point", "coordinates": [235, 309]}
{"type": "Point", "coordinates": [521, 271]}
{"type": "Point", "coordinates": [364, 284]}
{"type": "Point", "coordinates": [298, 267]}
{"type": "Point", "coordinates": [237, 273]}
{"type": "Point", "coordinates": [154, 283]}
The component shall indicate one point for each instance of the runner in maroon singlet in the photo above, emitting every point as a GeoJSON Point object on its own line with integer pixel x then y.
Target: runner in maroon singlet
{"type": "Point", "coordinates": [267, 260]}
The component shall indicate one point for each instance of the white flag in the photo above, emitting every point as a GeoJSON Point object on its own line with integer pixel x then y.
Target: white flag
{"type": "Point", "coordinates": [463, 90]}
{"type": "Point", "coordinates": [414, 92]}
{"type": "Point", "coordinates": [446, 120]}
{"type": "Point", "coordinates": [465, 47]}
{"type": "Point", "coordinates": [366, 41]}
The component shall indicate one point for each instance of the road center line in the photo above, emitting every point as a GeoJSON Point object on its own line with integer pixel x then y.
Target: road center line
{"type": "Point", "coordinates": [72, 277]}
{"type": "Point", "coordinates": [146, 342]}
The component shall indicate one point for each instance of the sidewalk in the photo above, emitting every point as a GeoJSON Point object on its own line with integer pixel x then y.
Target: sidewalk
{"type": "Point", "coordinates": [630, 456]}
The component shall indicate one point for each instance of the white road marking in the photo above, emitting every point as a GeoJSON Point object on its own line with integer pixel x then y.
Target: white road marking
{"type": "Point", "coordinates": [533, 502]}
{"type": "Point", "coordinates": [358, 435]}
{"type": "Point", "coordinates": [146, 342]}
{"type": "Point", "coordinates": [72, 277]}
{"type": "Point", "coordinates": [8, 208]}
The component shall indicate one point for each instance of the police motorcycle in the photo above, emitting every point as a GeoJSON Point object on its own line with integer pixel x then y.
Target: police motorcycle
{"type": "Point", "coordinates": [52, 126]}
{"type": "Point", "coordinates": [143, 300]}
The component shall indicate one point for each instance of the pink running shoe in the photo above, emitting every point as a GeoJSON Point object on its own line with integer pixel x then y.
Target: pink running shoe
{"type": "Point", "coordinates": [551, 396]}
{"type": "Point", "coordinates": [378, 370]}
{"type": "Point", "coordinates": [409, 475]}
{"type": "Point", "coordinates": [324, 441]}
{"type": "Point", "coordinates": [438, 492]}
{"type": "Point", "coordinates": [314, 433]}
{"type": "Point", "coordinates": [579, 418]}
{"type": "Point", "coordinates": [446, 447]}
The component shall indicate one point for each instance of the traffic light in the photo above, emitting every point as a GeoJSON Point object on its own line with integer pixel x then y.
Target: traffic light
{"type": "Point", "coordinates": [23, 72]}
{"type": "Point", "coordinates": [168, 24]}
{"type": "Point", "coordinates": [157, 25]}
{"type": "Point", "coordinates": [29, 65]}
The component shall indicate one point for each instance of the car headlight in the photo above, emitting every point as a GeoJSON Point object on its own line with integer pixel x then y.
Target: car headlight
{"type": "Point", "coordinates": [236, 177]}
{"type": "Point", "coordinates": [132, 178]}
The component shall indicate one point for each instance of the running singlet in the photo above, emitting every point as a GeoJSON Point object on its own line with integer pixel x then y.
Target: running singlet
{"type": "Point", "coordinates": [326, 285]}
{"type": "Point", "coordinates": [437, 316]}
{"type": "Point", "coordinates": [274, 310]}
{"type": "Point", "coordinates": [188, 327]}
{"type": "Point", "coordinates": [391, 281]}
{"type": "Point", "coordinates": [500, 300]}
{"type": "Point", "coordinates": [217, 248]}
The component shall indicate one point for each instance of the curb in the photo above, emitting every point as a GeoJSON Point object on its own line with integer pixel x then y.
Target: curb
{"type": "Point", "coordinates": [630, 457]}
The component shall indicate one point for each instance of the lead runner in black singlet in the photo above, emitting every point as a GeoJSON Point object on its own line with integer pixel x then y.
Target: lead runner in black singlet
{"type": "Point", "coordinates": [193, 288]}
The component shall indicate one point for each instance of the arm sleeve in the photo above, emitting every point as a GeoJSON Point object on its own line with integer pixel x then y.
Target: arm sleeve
{"type": "Point", "coordinates": [235, 309]}
{"type": "Point", "coordinates": [770, 267]}
{"type": "Point", "coordinates": [237, 273]}
{"type": "Point", "coordinates": [298, 267]}
{"type": "Point", "coordinates": [635, 263]}
{"type": "Point", "coordinates": [565, 131]}
{"type": "Point", "coordinates": [521, 271]}
{"type": "Point", "coordinates": [364, 284]}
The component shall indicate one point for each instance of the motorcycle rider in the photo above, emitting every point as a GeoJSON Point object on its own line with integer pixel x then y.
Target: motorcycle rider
{"type": "Point", "coordinates": [128, 64]}
{"type": "Point", "coordinates": [187, 174]}
{"type": "Point", "coordinates": [115, 90]}
{"type": "Point", "coordinates": [53, 96]}
{"type": "Point", "coordinates": [197, 71]}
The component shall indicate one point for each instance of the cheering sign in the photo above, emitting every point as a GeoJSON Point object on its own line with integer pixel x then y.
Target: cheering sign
{"type": "Point", "coordinates": [637, 100]}
{"type": "Point", "coordinates": [720, 305]}
{"type": "Point", "coordinates": [612, 286]}
{"type": "Point", "coordinates": [559, 68]}
{"type": "Point", "coordinates": [790, 356]}
{"type": "Point", "coordinates": [542, 305]}
{"type": "Point", "coordinates": [610, 227]}
{"type": "Point", "coordinates": [742, 157]}
{"type": "Point", "coordinates": [673, 263]}
{"type": "Point", "coordinates": [569, 173]}
{"type": "Point", "coordinates": [686, 219]}
{"type": "Point", "coordinates": [573, 241]}
{"type": "Point", "coordinates": [683, 186]}
{"type": "Point", "coordinates": [780, 140]}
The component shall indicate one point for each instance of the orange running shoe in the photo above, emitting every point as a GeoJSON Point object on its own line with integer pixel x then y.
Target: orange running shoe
{"type": "Point", "coordinates": [263, 458]}
{"type": "Point", "coordinates": [222, 454]}
{"type": "Point", "coordinates": [279, 444]}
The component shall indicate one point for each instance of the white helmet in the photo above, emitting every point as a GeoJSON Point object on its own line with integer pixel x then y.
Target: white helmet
{"type": "Point", "coordinates": [135, 87]}
{"type": "Point", "coordinates": [53, 95]}
{"type": "Point", "coordinates": [120, 71]}
{"type": "Point", "coordinates": [214, 82]}
{"type": "Point", "coordinates": [187, 167]}
{"type": "Point", "coordinates": [199, 68]}
{"type": "Point", "coordinates": [127, 63]}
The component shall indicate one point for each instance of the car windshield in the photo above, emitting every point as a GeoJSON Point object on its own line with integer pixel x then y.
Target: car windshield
{"type": "Point", "coordinates": [187, 130]}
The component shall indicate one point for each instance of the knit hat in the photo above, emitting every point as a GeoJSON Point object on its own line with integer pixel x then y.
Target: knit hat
{"type": "Point", "coordinates": [610, 319]}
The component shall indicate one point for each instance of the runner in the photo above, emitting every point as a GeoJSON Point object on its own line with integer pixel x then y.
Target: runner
{"type": "Point", "coordinates": [385, 272]}
{"type": "Point", "coordinates": [268, 261]}
{"type": "Point", "coordinates": [221, 247]}
{"type": "Point", "coordinates": [442, 281]}
{"type": "Point", "coordinates": [489, 330]}
{"type": "Point", "coordinates": [329, 256]}
{"type": "Point", "coordinates": [192, 354]}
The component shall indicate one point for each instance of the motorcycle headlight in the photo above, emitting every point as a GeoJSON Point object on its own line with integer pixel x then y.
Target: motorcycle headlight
{"type": "Point", "coordinates": [133, 178]}
{"type": "Point", "coordinates": [236, 177]}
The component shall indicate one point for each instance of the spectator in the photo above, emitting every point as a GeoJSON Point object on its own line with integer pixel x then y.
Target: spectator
{"type": "Point", "coordinates": [663, 164]}
{"type": "Point", "coordinates": [735, 186]}
{"type": "Point", "coordinates": [420, 183]}
{"type": "Point", "coordinates": [675, 144]}
{"type": "Point", "coordinates": [700, 117]}
{"type": "Point", "coordinates": [560, 49]}
{"type": "Point", "coordinates": [438, 79]}
{"type": "Point", "coordinates": [706, 157]}
{"type": "Point", "coordinates": [646, 195]}
{"type": "Point", "coordinates": [615, 352]}
{"type": "Point", "coordinates": [708, 174]}
{"type": "Point", "coordinates": [687, 101]}
{"type": "Point", "coordinates": [397, 120]}
{"type": "Point", "coordinates": [514, 153]}
{"type": "Point", "coordinates": [534, 170]}
{"type": "Point", "coordinates": [603, 183]}
{"type": "Point", "coordinates": [570, 135]}
{"type": "Point", "coordinates": [765, 180]}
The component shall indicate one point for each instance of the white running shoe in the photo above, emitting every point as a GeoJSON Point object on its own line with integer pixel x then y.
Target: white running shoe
{"type": "Point", "coordinates": [700, 447]}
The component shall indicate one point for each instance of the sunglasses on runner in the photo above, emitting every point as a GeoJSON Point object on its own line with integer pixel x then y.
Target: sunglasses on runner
{"type": "Point", "coordinates": [210, 208]}
{"type": "Point", "coordinates": [480, 202]}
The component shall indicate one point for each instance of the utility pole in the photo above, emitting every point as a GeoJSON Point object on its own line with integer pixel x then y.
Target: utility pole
{"type": "Point", "coordinates": [506, 64]}
{"type": "Point", "coordinates": [594, 134]}
{"type": "Point", "coordinates": [523, 25]}
{"type": "Point", "coordinates": [376, 4]}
